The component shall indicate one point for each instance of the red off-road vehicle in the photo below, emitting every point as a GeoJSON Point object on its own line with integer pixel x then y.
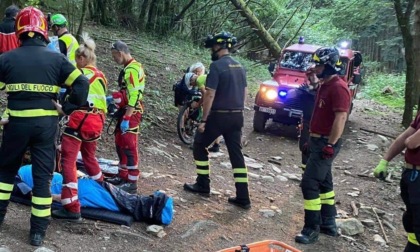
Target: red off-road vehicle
{"type": "Point", "coordinates": [272, 100]}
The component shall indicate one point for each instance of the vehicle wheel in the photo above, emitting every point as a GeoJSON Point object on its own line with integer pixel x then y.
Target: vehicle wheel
{"type": "Point", "coordinates": [260, 120]}
{"type": "Point", "coordinates": [185, 126]}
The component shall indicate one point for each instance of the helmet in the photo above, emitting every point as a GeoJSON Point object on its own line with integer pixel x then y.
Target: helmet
{"type": "Point", "coordinates": [59, 20]}
{"type": "Point", "coordinates": [30, 19]}
{"type": "Point", "coordinates": [327, 56]}
{"type": "Point", "coordinates": [120, 98]}
{"type": "Point", "coordinates": [226, 39]}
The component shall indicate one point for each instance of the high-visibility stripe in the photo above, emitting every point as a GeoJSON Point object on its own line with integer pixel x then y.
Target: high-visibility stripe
{"type": "Point", "coordinates": [97, 176]}
{"type": "Point", "coordinates": [72, 77]}
{"type": "Point", "coordinates": [203, 172]}
{"type": "Point", "coordinates": [33, 113]}
{"type": "Point", "coordinates": [241, 180]}
{"type": "Point", "coordinates": [412, 238]}
{"type": "Point", "coordinates": [72, 185]}
{"type": "Point", "coordinates": [67, 201]}
{"type": "Point", "coordinates": [5, 196]}
{"type": "Point", "coordinates": [42, 200]}
{"type": "Point", "coordinates": [6, 187]}
{"type": "Point", "coordinates": [313, 205]}
{"type": "Point", "coordinates": [29, 87]}
{"type": "Point", "coordinates": [41, 212]}
{"type": "Point", "coordinates": [131, 177]}
{"type": "Point", "coordinates": [132, 167]}
{"type": "Point", "coordinates": [121, 166]}
{"type": "Point", "coordinates": [240, 170]}
{"type": "Point", "coordinates": [327, 195]}
{"type": "Point", "coordinates": [2, 85]}
{"type": "Point", "coordinates": [201, 163]}
{"type": "Point", "coordinates": [330, 202]}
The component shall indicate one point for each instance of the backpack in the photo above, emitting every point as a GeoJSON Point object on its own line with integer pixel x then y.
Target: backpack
{"type": "Point", "coordinates": [181, 91]}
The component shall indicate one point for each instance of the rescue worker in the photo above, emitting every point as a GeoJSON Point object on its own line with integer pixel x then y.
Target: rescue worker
{"type": "Point", "coordinates": [131, 82]}
{"type": "Point", "coordinates": [31, 74]}
{"type": "Point", "coordinates": [8, 39]}
{"type": "Point", "coordinates": [332, 105]}
{"type": "Point", "coordinates": [223, 106]}
{"type": "Point", "coordinates": [68, 43]}
{"type": "Point", "coordinates": [82, 132]}
{"type": "Point", "coordinates": [409, 141]}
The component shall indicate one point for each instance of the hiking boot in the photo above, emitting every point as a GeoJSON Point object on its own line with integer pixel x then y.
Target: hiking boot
{"type": "Point", "coordinates": [63, 214]}
{"type": "Point", "coordinates": [115, 180]}
{"type": "Point", "coordinates": [36, 238]}
{"type": "Point", "coordinates": [197, 188]}
{"type": "Point", "coordinates": [129, 187]}
{"type": "Point", "coordinates": [308, 235]}
{"type": "Point", "coordinates": [214, 148]}
{"type": "Point", "coordinates": [245, 204]}
{"type": "Point", "coordinates": [329, 226]}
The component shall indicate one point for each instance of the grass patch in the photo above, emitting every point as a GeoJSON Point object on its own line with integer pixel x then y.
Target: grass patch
{"type": "Point", "coordinates": [375, 85]}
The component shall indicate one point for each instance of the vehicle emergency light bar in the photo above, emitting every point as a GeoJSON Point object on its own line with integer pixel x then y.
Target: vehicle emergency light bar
{"type": "Point", "coordinates": [272, 93]}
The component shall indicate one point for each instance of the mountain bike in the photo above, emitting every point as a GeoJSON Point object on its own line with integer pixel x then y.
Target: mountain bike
{"type": "Point", "coordinates": [189, 118]}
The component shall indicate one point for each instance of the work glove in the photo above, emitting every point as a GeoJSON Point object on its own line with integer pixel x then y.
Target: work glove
{"type": "Point", "coordinates": [381, 170]}
{"type": "Point", "coordinates": [327, 151]}
{"type": "Point", "coordinates": [125, 124]}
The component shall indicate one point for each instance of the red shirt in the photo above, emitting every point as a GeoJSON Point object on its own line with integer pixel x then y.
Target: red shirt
{"type": "Point", "coordinates": [412, 156]}
{"type": "Point", "coordinates": [333, 96]}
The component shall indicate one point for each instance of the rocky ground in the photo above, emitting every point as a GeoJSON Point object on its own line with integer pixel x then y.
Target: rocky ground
{"type": "Point", "coordinates": [210, 224]}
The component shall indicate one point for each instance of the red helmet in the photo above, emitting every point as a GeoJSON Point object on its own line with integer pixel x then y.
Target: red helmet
{"type": "Point", "coordinates": [120, 98]}
{"type": "Point", "coordinates": [30, 19]}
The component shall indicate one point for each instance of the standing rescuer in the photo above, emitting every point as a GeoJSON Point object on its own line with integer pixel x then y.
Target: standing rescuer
{"type": "Point", "coordinates": [410, 180]}
{"type": "Point", "coordinates": [82, 132]}
{"type": "Point", "coordinates": [8, 39]}
{"type": "Point", "coordinates": [33, 118]}
{"type": "Point", "coordinates": [68, 43]}
{"type": "Point", "coordinates": [131, 82]}
{"type": "Point", "coordinates": [223, 106]}
{"type": "Point", "coordinates": [332, 104]}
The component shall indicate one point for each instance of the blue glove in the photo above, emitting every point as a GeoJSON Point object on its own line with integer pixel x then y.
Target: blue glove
{"type": "Point", "coordinates": [124, 125]}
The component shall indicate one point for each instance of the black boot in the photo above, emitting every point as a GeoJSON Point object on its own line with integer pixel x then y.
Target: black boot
{"type": "Point", "coordinates": [115, 180]}
{"type": "Point", "coordinates": [214, 148]}
{"type": "Point", "coordinates": [242, 203]}
{"type": "Point", "coordinates": [66, 215]}
{"type": "Point", "coordinates": [308, 235]}
{"type": "Point", "coordinates": [329, 226]}
{"type": "Point", "coordinates": [202, 186]}
{"type": "Point", "coordinates": [129, 187]}
{"type": "Point", "coordinates": [36, 238]}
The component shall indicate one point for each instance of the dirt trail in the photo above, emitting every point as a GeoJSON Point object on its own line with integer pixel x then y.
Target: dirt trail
{"type": "Point", "coordinates": [203, 224]}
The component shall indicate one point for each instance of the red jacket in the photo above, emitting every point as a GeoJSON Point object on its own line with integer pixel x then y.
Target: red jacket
{"type": "Point", "coordinates": [8, 39]}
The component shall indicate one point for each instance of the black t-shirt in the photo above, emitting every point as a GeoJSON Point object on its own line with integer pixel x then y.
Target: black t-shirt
{"type": "Point", "coordinates": [227, 76]}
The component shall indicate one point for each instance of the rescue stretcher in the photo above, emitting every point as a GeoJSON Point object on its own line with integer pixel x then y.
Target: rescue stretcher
{"type": "Point", "coordinates": [262, 246]}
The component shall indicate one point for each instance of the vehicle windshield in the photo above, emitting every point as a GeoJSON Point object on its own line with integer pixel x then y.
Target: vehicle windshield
{"type": "Point", "coordinates": [300, 61]}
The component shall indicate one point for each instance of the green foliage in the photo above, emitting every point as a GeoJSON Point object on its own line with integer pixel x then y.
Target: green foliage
{"type": "Point", "coordinates": [375, 85]}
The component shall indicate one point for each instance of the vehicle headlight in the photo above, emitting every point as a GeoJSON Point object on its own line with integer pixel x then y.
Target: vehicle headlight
{"type": "Point", "coordinates": [271, 94]}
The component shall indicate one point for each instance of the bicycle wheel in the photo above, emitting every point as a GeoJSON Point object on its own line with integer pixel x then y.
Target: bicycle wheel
{"type": "Point", "coordinates": [186, 126]}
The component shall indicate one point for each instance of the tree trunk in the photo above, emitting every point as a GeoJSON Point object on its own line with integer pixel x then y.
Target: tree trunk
{"type": "Point", "coordinates": [180, 16]}
{"type": "Point", "coordinates": [403, 19]}
{"type": "Point", "coordinates": [266, 38]}
{"type": "Point", "coordinates": [82, 20]}
{"type": "Point", "coordinates": [144, 14]}
{"type": "Point", "coordinates": [416, 53]}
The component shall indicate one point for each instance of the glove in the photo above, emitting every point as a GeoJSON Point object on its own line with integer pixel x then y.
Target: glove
{"type": "Point", "coordinates": [327, 151]}
{"type": "Point", "coordinates": [381, 170]}
{"type": "Point", "coordinates": [125, 124]}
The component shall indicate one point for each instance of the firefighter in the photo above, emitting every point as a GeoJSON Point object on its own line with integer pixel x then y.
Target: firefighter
{"type": "Point", "coordinates": [8, 39]}
{"type": "Point", "coordinates": [67, 42]}
{"type": "Point", "coordinates": [31, 74]}
{"type": "Point", "coordinates": [223, 106]}
{"type": "Point", "coordinates": [82, 132]}
{"type": "Point", "coordinates": [332, 104]}
{"type": "Point", "coordinates": [409, 141]}
{"type": "Point", "coordinates": [129, 98]}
